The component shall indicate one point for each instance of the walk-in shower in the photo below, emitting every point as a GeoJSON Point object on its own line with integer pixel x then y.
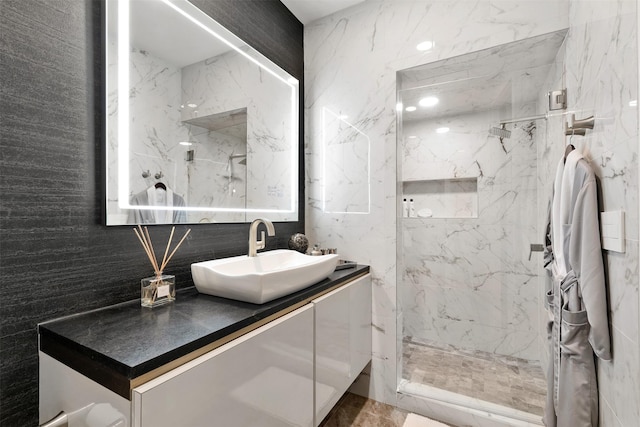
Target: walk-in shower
{"type": "Point", "coordinates": [232, 176]}
{"type": "Point", "coordinates": [469, 289]}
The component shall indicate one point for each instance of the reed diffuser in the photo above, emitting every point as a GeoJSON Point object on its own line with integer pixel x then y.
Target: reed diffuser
{"type": "Point", "coordinates": [161, 288]}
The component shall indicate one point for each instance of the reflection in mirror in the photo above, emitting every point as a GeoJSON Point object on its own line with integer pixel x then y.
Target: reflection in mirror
{"type": "Point", "coordinates": [346, 164]}
{"type": "Point", "coordinates": [200, 126]}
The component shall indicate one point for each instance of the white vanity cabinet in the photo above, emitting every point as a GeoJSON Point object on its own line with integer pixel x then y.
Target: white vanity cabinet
{"type": "Point", "coordinates": [343, 341]}
{"type": "Point", "coordinates": [264, 378]}
{"type": "Point", "coordinates": [288, 372]}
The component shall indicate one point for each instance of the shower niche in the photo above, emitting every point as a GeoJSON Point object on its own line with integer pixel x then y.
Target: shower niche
{"type": "Point", "coordinates": [443, 198]}
{"type": "Point", "coordinates": [470, 130]}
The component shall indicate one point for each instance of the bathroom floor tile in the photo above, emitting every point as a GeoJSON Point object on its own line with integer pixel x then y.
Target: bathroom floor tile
{"type": "Point", "coordinates": [505, 380]}
{"type": "Point", "coordinates": [357, 411]}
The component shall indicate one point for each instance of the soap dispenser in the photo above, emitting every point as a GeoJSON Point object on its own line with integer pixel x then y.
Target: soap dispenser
{"type": "Point", "coordinates": [412, 209]}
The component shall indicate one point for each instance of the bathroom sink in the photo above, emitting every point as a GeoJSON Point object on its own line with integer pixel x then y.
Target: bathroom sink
{"type": "Point", "coordinates": [262, 278]}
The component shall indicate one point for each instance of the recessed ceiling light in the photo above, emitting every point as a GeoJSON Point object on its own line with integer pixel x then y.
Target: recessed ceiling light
{"type": "Point", "coordinates": [186, 143]}
{"type": "Point", "coordinates": [411, 108]}
{"type": "Point", "coordinates": [425, 45]}
{"type": "Point", "coordinates": [192, 105]}
{"type": "Point", "coordinates": [429, 101]}
{"type": "Point", "coordinates": [633, 103]}
{"type": "Point", "coordinates": [442, 130]}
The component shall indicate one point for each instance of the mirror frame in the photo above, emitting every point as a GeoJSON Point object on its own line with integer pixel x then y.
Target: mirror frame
{"type": "Point", "coordinates": [297, 201]}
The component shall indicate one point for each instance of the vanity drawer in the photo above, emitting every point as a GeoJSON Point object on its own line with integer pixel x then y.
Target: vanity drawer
{"type": "Point", "coordinates": [262, 378]}
{"type": "Point", "coordinates": [343, 341]}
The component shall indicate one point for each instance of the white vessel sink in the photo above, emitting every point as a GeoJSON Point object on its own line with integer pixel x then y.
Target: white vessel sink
{"type": "Point", "coordinates": [263, 278]}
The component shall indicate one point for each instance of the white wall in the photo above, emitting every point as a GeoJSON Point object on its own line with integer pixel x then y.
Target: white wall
{"type": "Point", "coordinates": [600, 71]}
{"type": "Point", "coordinates": [601, 68]}
{"type": "Point", "coordinates": [351, 59]}
{"type": "Point", "coordinates": [469, 282]}
{"type": "Point", "coordinates": [230, 82]}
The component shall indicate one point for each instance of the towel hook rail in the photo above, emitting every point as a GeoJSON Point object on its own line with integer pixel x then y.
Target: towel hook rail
{"type": "Point", "coordinates": [573, 131]}
{"type": "Point", "coordinates": [583, 123]}
{"type": "Point", "coordinates": [579, 127]}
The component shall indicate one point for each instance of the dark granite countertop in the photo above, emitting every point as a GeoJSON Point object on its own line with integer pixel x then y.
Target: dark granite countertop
{"type": "Point", "coordinates": [126, 341]}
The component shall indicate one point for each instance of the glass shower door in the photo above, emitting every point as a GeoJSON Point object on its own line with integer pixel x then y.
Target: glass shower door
{"type": "Point", "coordinates": [469, 289]}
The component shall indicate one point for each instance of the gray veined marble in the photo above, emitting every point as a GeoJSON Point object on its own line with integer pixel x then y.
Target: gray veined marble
{"type": "Point", "coordinates": [351, 63]}
{"type": "Point", "coordinates": [466, 279]}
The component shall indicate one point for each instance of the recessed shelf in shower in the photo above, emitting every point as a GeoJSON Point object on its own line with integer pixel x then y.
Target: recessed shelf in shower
{"type": "Point", "coordinates": [443, 198]}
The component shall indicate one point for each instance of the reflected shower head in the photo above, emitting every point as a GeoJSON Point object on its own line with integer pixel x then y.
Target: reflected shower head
{"type": "Point", "coordinates": [239, 156]}
{"type": "Point", "coordinates": [500, 132]}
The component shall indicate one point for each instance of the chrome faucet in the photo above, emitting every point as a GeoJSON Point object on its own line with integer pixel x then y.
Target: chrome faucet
{"type": "Point", "coordinates": [254, 243]}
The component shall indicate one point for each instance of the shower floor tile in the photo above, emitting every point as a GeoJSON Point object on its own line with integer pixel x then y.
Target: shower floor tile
{"type": "Point", "coordinates": [508, 381]}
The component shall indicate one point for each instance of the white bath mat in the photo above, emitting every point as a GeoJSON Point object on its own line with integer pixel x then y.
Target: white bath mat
{"type": "Point", "coordinates": [414, 420]}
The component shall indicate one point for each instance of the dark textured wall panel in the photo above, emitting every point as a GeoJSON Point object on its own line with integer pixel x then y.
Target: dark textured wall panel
{"type": "Point", "coordinates": [55, 256]}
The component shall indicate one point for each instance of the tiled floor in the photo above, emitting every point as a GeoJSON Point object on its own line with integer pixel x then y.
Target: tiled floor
{"type": "Point", "coordinates": [507, 381]}
{"type": "Point", "coordinates": [357, 411]}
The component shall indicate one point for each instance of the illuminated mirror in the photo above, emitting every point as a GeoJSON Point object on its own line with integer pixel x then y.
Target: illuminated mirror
{"type": "Point", "coordinates": [200, 126]}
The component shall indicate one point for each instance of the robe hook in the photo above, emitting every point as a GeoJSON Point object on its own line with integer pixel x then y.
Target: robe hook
{"type": "Point", "coordinates": [146, 174]}
{"type": "Point", "coordinates": [587, 123]}
{"type": "Point", "coordinates": [569, 130]}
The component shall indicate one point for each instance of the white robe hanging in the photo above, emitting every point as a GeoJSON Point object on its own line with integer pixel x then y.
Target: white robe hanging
{"type": "Point", "coordinates": [153, 196]}
{"type": "Point", "coordinates": [577, 298]}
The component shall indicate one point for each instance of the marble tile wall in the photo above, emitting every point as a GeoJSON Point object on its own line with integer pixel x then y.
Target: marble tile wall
{"type": "Point", "coordinates": [230, 82]}
{"type": "Point", "coordinates": [346, 153]}
{"type": "Point", "coordinates": [600, 70]}
{"type": "Point", "coordinates": [350, 63]}
{"type": "Point", "coordinates": [468, 282]}
{"type": "Point", "coordinates": [156, 104]}
{"type": "Point", "coordinates": [226, 178]}
{"type": "Point", "coordinates": [351, 60]}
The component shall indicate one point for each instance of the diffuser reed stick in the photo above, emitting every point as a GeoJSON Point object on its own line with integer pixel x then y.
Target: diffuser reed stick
{"type": "Point", "coordinates": [145, 241]}
{"type": "Point", "coordinates": [159, 286]}
{"type": "Point", "coordinates": [164, 258]}
{"type": "Point", "coordinates": [164, 263]}
{"type": "Point", "coordinates": [155, 260]}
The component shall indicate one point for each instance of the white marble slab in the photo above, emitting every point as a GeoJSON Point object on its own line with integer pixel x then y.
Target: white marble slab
{"type": "Point", "coordinates": [351, 59]}
{"type": "Point", "coordinates": [351, 63]}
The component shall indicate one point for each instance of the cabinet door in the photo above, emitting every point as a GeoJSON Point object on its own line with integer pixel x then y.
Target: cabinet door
{"type": "Point", "coordinates": [64, 389]}
{"type": "Point", "coordinates": [264, 378]}
{"type": "Point", "coordinates": [343, 341]}
{"type": "Point", "coordinates": [333, 369]}
{"type": "Point", "coordinates": [360, 307]}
